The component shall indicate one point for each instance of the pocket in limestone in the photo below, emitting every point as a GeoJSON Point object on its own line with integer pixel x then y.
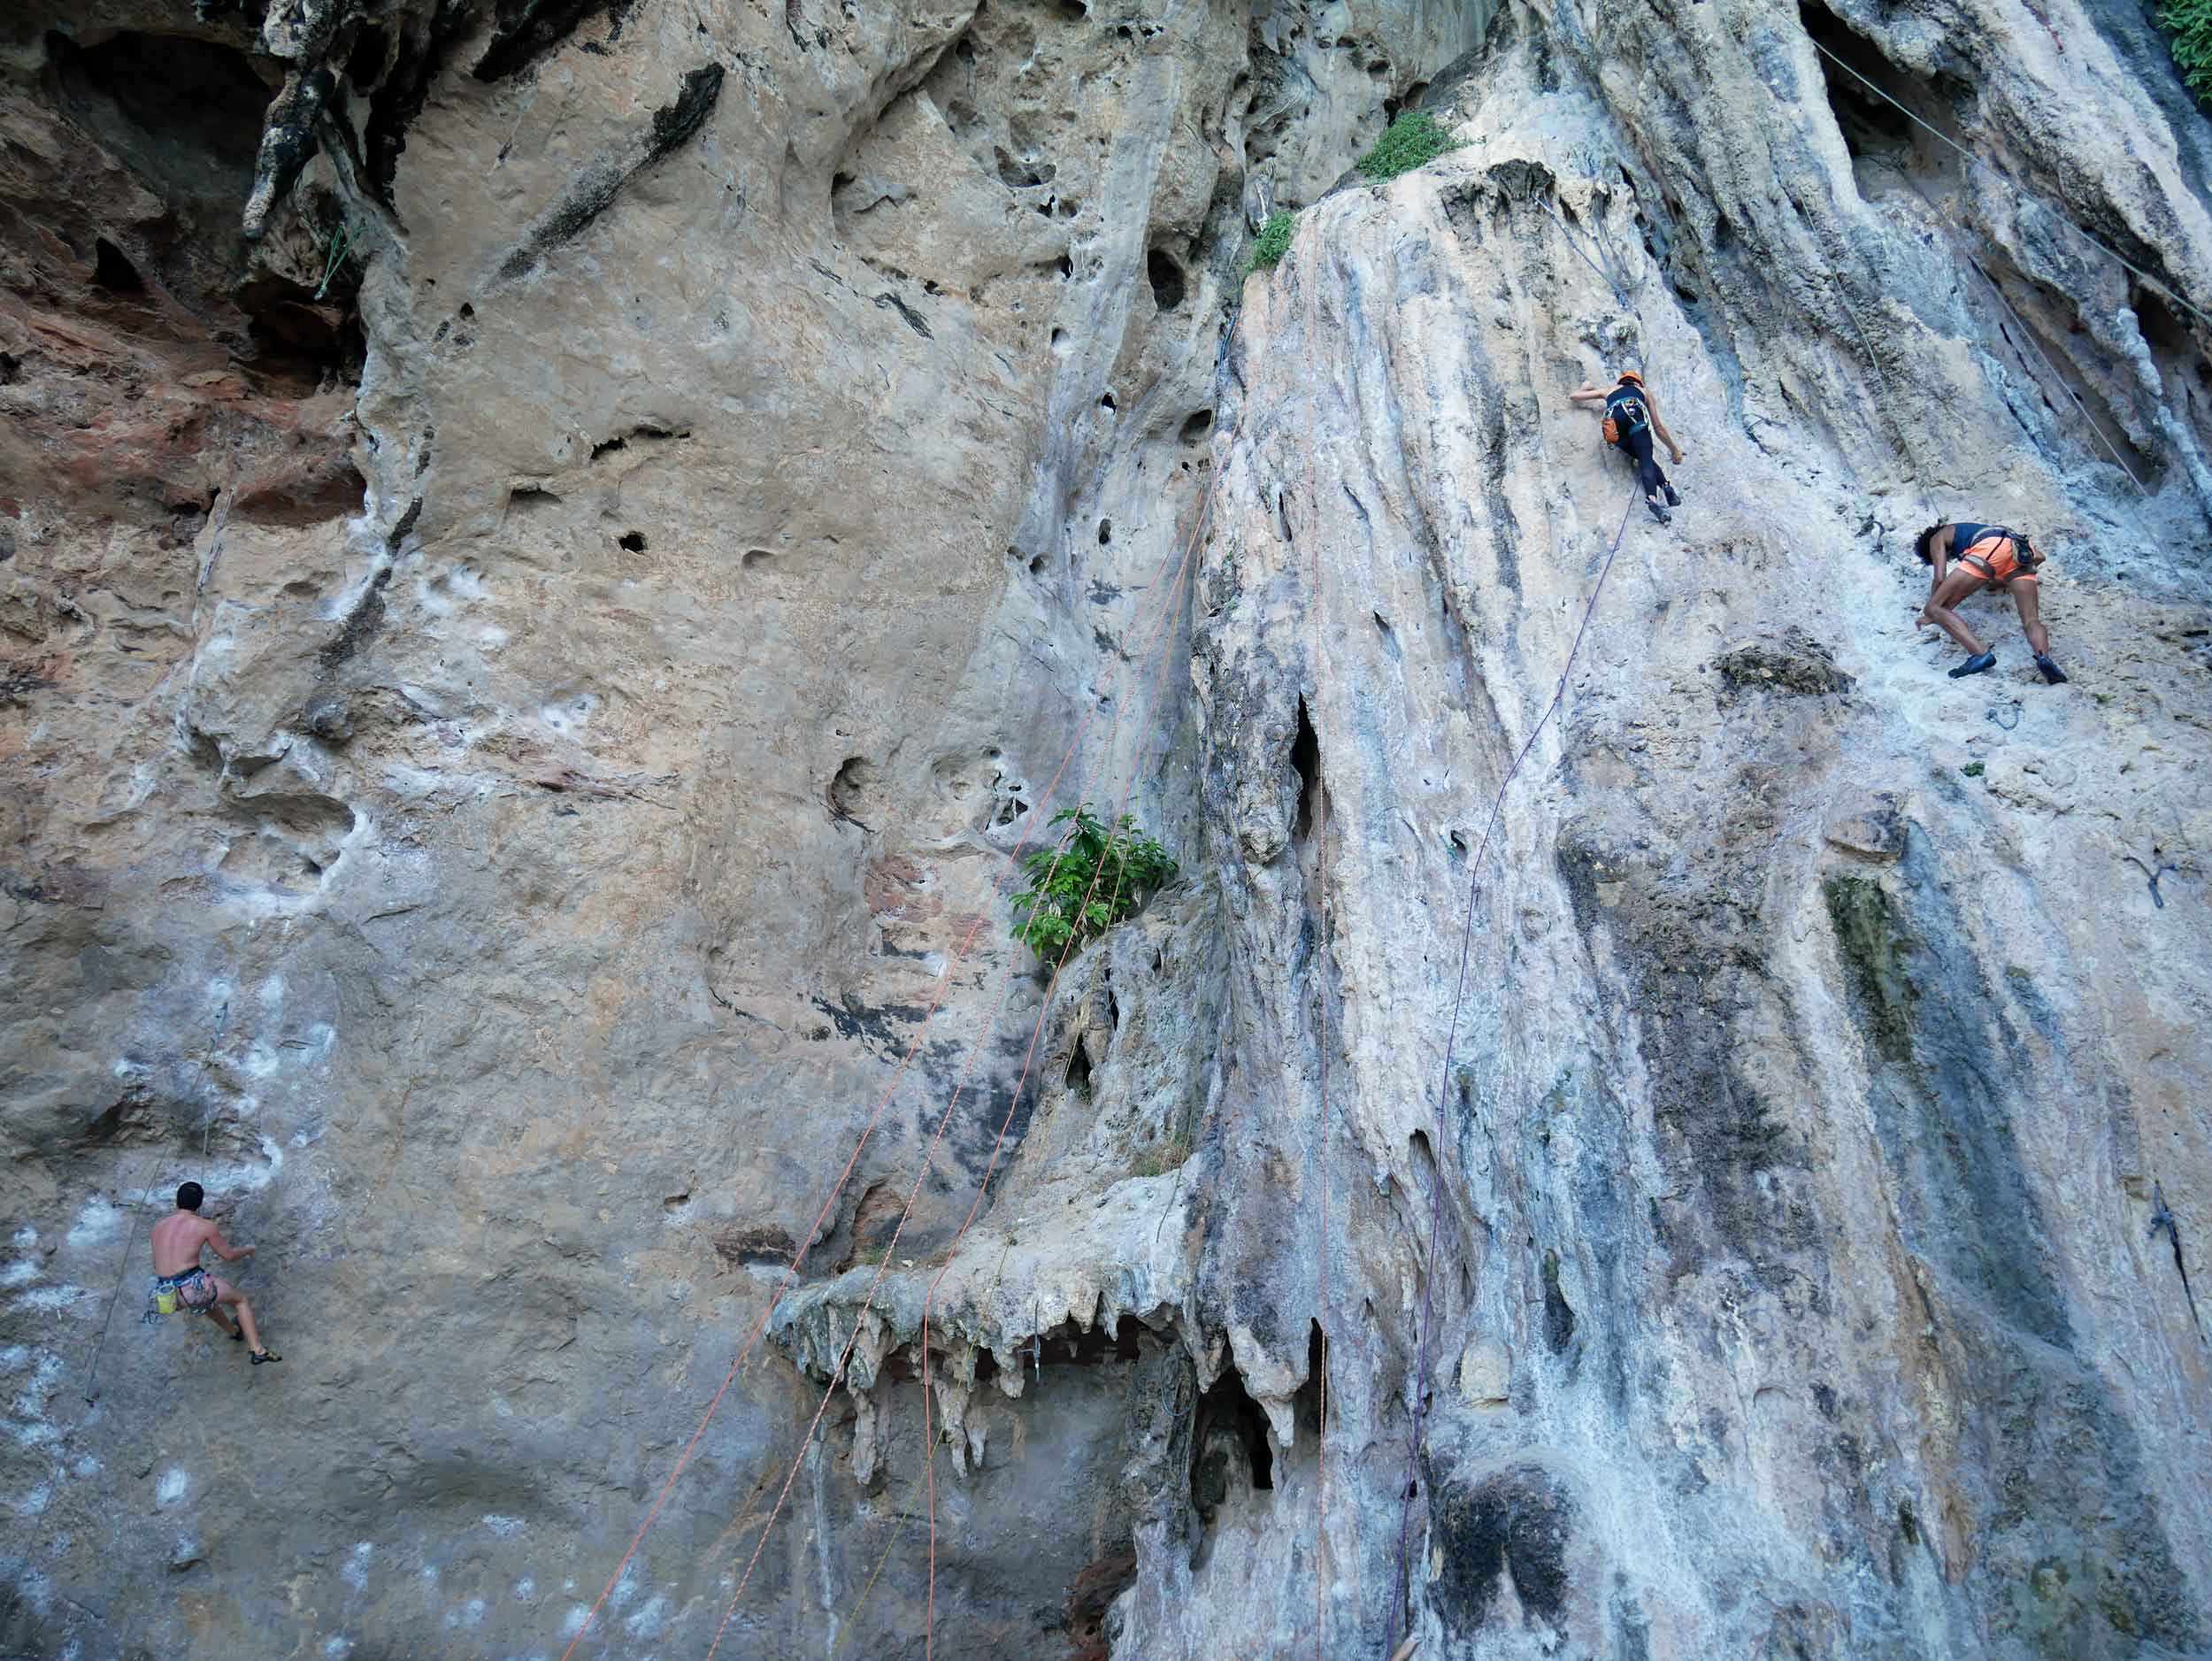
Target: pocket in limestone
{"type": "Point", "coordinates": [287, 840]}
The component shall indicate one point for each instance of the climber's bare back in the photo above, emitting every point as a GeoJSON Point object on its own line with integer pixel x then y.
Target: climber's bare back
{"type": "Point", "coordinates": [178, 1238]}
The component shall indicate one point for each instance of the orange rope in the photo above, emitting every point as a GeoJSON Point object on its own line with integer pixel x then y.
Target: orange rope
{"type": "Point", "coordinates": [929, 1629]}
{"type": "Point", "coordinates": [928, 1156]}
{"type": "Point", "coordinates": [1321, 984]}
{"type": "Point", "coordinates": [791, 1272]}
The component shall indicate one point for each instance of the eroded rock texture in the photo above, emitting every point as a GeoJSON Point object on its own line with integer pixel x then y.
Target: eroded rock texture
{"type": "Point", "coordinates": [551, 552]}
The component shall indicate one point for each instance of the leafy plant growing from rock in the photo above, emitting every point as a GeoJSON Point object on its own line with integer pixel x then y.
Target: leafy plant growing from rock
{"type": "Point", "coordinates": [1413, 139]}
{"type": "Point", "coordinates": [1062, 902]}
{"type": "Point", "coordinates": [2191, 21]}
{"type": "Point", "coordinates": [1272, 243]}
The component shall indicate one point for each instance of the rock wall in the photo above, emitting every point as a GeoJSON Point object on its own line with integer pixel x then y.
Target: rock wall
{"type": "Point", "coordinates": [522, 680]}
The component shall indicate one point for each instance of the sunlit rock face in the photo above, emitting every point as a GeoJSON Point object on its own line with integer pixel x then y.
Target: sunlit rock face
{"type": "Point", "coordinates": [551, 555]}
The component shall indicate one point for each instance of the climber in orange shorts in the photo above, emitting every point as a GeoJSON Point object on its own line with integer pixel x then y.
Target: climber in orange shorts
{"type": "Point", "coordinates": [1968, 558]}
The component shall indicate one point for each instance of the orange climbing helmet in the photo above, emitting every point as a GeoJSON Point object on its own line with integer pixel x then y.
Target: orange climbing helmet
{"type": "Point", "coordinates": [1630, 374]}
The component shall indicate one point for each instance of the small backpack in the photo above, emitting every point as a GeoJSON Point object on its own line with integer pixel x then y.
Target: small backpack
{"type": "Point", "coordinates": [1624, 417]}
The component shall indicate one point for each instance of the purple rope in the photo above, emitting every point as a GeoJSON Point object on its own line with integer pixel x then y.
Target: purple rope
{"type": "Point", "coordinates": [1399, 1588]}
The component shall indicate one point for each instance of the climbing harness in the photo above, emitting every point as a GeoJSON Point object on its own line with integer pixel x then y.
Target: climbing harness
{"type": "Point", "coordinates": [815, 1232]}
{"type": "Point", "coordinates": [2000, 556]}
{"type": "Point", "coordinates": [1625, 413]}
{"type": "Point", "coordinates": [1398, 1589]}
{"type": "Point", "coordinates": [193, 1292]}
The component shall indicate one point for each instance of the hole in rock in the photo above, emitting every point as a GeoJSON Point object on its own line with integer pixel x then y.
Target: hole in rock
{"type": "Point", "coordinates": [1311, 1395]}
{"type": "Point", "coordinates": [1105, 532]}
{"type": "Point", "coordinates": [1066, 266]}
{"type": "Point", "coordinates": [1889, 150]}
{"type": "Point", "coordinates": [184, 116]}
{"type": "Point", "coordinates": [1559, 1316]}
{"type": "Point", "coordinates": [1229, 1452]}
{"type": "Point", "coordinates": [1023, 173]}
{"type": "Point", "coordinates": [365, 63]}
{"type": "Point", "coordinates": [112, 269]}
{"type": "Point", "coordinates": [1305, 761]}
{"type": "Point", "coordinates": [633, 540]}
{"type": "Point", "coordinates": [848, 787]}
{"type": "Point", "coordinates": [1166, 277]}
{"type": "Point", "coordinates": [1079, 1070]}
{"type": "Point", "coordinates": [1092, 1592]}
{"type": "Point", "coordinates": [1106, 402]}
{"type": "Point", "coordinates": [755, 557]}
{"type": "Point", "coordinates": [1197, 425]}
{"type": "Point", "coordinates": [2182, 365]}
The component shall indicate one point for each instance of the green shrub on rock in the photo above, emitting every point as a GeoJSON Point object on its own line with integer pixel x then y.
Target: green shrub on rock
{"type": "Point", "coordinates": [2191, 21]}
{"type": "Point", "coordinates": [1413, 139]}
{"type": "Point", "coordinates": [1272, 243]}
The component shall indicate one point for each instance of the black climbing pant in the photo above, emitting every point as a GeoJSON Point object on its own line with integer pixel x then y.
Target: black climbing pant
{"type": "Point", "coordinates": [1638, 445]}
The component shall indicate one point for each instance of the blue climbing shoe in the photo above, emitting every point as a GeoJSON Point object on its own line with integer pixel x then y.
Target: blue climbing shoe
{"type": "Point", "coordinates": [2052, 672]}
{"type": "Point", "coordinates": [1658, 512]}
{"type": "Point", "coordinates": [1975, 665]}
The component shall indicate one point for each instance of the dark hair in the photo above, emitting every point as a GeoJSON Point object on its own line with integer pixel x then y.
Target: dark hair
{"type": "Point", "coordinates": [1920, 544]}
{"type": "Point", "coordinates": [189, 1195]}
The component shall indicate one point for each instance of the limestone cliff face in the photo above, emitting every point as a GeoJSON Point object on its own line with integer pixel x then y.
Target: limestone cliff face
{"type": "Point", "coordinates": [521, 682]}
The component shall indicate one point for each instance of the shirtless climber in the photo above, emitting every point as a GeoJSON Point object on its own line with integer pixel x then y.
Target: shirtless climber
{"type": "Point", "coordinates": [1631, 416]}
{"type": "Point", "coordinates": [1986, 556]}
{"type": "Point", "coordinates": [191, 1289]}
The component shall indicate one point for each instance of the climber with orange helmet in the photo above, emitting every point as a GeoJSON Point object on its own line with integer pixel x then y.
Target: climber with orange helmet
{"type": "Point", "coordinates": [1631, 416]}
{"type": "Point", "coordinates": [1986, 556]}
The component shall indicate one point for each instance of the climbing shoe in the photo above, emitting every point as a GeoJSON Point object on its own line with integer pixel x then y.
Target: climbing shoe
{"type": "Point", "coordinates": [260, 1355]}
{"type": "Point", "coordinates": [2052, 672]}
{"type": "Point", "coordinates": [1674, 496]}
{"type": "Point", "coordinates": [1975, 665]}
{"type": "Point", "coordinates": [1658, 512]}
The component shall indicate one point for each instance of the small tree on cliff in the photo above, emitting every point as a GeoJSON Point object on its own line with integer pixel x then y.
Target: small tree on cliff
{"type": "Point", "coordinates": [1099, 879]}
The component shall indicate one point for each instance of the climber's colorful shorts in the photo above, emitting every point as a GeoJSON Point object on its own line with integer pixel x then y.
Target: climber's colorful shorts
{"type": "Point", "coordinates": [2000, 560]}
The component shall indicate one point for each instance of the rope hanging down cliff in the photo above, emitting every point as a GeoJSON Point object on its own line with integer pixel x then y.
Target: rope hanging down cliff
{"type": "Point", "coordinates": [2163, 288]}
{"type": "Point", "coordinates": [1169, 611]}
{"type": "Point", "coordinates": [814, 1232]}
{"type": "Point", "coordinates": [1321, 981]}
{"type": "Point", "coordinates": [1444, 1089]}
